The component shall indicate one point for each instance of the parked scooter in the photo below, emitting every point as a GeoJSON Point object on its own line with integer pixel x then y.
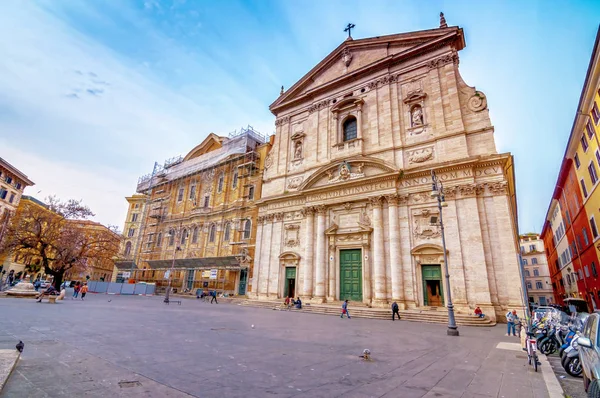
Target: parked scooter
{"type": "Point", "coordinates": [568, 338]}
{"type": "Point", "coordinates": [571, 361]}
{"type": "Point", "coordinates": [551, 342]}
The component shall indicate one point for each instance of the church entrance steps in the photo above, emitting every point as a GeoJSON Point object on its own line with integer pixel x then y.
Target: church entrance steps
{"type": "Point", "coordinates": [361, 311]}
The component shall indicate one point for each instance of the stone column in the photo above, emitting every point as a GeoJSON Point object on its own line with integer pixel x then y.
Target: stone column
{"type": "Point", "coordinates": [331, 293]}
{"type": "Point", "coordinates": [378, 254]}
{"type": "Point", "coordinates": [395, 258]}
{"type": "Point", "coordinates": [257, 249]}
{"type": "Point", "coordinates": [275, 245]}
{"type": "Point", "coordinates": [321, 261]}
{"type": "Point", "coordinates": [265, 258]}
{"type": "Point", "coordinates": [307, 289]}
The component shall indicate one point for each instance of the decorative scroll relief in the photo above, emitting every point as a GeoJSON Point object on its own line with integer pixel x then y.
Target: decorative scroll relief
{"type": "Point", "coordinates": [421, 197]}
{"type": "Point", "coordinates": [420, 155]}
{"type": "Point", "coordinates": [317, 106]}
{"type": "Point", "coordinates": [344, 173]}
{"type": "Point", "coordinates": [426, 224]}
{"type": "Point", "coordinates": [439, 62]}
{"type": "Point", "coordinates": [269, 161]}
{"type": "Point", "coordinates": [282, 120]}
{"type": "Point", "coordinates": [477, 102]}
{"type": "Point", "coordinates": [294, 182]}
{"type": "Point", "coordinates": [292, 235]}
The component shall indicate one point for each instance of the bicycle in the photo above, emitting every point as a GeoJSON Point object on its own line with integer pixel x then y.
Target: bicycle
{"type": "Point", "coordinates": [531, 344]}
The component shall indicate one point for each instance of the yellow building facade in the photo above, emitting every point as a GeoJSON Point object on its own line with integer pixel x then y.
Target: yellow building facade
{"type": "Point", "coordinates": [584, 144]}
{"type": "Point", "coordinates": [199, 221]}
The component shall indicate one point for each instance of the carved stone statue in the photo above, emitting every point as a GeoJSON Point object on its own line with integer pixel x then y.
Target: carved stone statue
{"type": "Point", "coordinates": [344, 171]}
{"type": "Point", "coordinates": [298, 150]}
{"type": "Point", "coordinates": [416, 116]}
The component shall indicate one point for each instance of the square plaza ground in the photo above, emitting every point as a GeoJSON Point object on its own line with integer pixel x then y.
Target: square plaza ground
{"type": "Point", "coordinates": [139, 347]}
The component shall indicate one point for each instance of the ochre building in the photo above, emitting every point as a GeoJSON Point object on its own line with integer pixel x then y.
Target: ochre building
{"type": "Point", "coordinates": [347, 211]}
{"type": "Point", "coordinates": [199, 217]}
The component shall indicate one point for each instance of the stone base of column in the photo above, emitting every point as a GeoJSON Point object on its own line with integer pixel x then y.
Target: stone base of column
{"type": "Point", "coordinates": [410, 305]}
{"type": "Point", "coordinates": [262, 296]}
{"type": "Point", "coordinates": [401, 304]}
{"type": "Point", "coordinates": [317, 300]}
{"type": "Point", "coordinates": [380, 303]}
{"type": "Point", "coordinates": [330, 299]}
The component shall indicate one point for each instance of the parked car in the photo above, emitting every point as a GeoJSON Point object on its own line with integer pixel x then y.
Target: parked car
{"type": "Point", "coordinates": [589, 353]}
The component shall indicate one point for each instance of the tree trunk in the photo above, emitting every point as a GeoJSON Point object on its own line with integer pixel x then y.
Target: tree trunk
{"type": "Point", "coordinates": [58, 279]}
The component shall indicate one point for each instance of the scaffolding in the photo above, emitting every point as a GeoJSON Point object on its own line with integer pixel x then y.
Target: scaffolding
{"type": "Point", "coordinates": [239, 152]}
{"type": "Point", "coordinates": [237, 143]}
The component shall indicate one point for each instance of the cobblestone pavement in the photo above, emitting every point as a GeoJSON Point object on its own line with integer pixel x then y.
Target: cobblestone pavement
{"type": "Point", "coordinates": [572, 386]}
{"type": "Point", "coordinates": [139, 347]}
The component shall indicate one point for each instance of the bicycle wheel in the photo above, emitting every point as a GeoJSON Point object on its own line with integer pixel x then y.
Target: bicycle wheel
{"type": "Point", "coordinates": [535, 361]}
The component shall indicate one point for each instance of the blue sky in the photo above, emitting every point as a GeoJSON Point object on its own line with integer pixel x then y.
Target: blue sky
{"type": "Point", "coordinates": [93, 92]}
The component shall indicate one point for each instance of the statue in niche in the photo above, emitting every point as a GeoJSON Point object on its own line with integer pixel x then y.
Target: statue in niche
{"type": "Point", "coordinates": [344, 171]}
{"type": "Point", "coordinates": [298, 150]}
{"type": "Point", "coordinates": [416, 116]}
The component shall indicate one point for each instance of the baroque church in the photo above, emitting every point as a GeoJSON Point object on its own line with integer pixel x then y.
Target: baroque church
{"type": "Point", "coordinates": [346, 209]}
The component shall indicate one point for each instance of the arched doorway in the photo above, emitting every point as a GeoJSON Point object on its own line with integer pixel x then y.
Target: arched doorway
{"type": "Point", "coordinates": [429, 260]}
{"type": "Point", "coordinates": [289, 262]}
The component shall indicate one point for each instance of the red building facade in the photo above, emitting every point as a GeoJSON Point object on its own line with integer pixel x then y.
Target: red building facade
{"type": "Point", "coordinates": [573, 264]}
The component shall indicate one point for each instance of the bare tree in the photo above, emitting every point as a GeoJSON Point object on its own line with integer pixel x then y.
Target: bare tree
{"type": "Point", "coordinates": [59, 242]}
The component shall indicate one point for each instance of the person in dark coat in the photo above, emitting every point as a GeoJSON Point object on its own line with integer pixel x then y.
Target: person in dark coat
{"type": "Point", "coordinates": [214, 297]}
{"type": "Point", "coordinates": [395, 311]}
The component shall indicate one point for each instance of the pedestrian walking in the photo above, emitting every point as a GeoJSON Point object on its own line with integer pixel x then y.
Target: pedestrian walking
{"type": "Point", "coordinates": [83, 290]}
{"type": "Point", "coordinates": [76, 289]}
{"type": "Point", "coordinates": [395, 311]}
{"type": "Point", "coordinates": [510, 322]}
{"type": "Point", "coordinates": [214, 297]}
{"type": "Point", "coordinates": [345, 310]}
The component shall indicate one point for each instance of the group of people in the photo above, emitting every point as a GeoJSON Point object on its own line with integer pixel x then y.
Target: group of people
{"type": "Point", "coordinates": [290, 302]}
{"type": "Point", "coordinates": [79, 288]}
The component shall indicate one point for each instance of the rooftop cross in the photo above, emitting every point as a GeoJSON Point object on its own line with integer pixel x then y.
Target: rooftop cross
{"type": "Point", "coordinates": [349, 29]}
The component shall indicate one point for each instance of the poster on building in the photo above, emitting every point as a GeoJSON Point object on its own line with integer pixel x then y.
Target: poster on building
{"type": "Point", "coordinates": [213, 274]}
{"type": "Point", "coordinates": [167, 274]}
{"type": "Point", "coordinates": [126, 274]}
{"type": "Point", "coordinates": [206, 274]}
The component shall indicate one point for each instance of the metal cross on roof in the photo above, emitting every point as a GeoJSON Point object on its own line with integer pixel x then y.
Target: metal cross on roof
{"type": "Point", "coordinates": [349, 29]}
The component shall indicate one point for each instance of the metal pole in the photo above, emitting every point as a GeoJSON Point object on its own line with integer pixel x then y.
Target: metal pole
{"type": "Point", "coordinates": [452, 328]}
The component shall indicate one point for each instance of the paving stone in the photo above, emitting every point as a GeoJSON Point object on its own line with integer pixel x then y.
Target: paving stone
{"type": "Point", "coordinates": [198, 351]}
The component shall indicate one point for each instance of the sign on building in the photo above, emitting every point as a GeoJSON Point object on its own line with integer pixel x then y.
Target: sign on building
{"type": "Point", "coordinates": [167, 274]}
{"type": "Point", "coordinates": [126, 274]}
{"type": "Point", "coordinates": [206, 274]}
{"type": "Point", "coordinates": [213, 274]}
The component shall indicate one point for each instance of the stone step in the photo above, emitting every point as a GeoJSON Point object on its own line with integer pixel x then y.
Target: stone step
{"type": "Point", "coordinates": [425, 316]}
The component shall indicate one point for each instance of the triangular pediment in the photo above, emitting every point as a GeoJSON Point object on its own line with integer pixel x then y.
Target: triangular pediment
{"type": "Point", "coordinates": [210, 143]}
{"type": "Point", "coordinates": [355, 57]}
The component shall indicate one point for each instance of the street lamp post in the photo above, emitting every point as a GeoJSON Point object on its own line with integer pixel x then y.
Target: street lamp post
{"type": "Point", "coordinates": [166, 300]}
{"type": "Point", "coordinates": [438, 192]}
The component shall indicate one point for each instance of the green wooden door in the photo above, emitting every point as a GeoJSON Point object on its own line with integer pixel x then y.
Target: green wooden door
{"type": "Point", "coordinates": [243, 282]}
{"type": "Point", "coordinates": [351, 275]}
{"type": "Point", "coordinates": [290, 282]}
{"type": "Point", "coordinates": [433, 288]}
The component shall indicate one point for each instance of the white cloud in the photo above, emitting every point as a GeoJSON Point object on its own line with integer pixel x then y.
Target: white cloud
{"type": "Point", "coordinates": [101, 189]}
{"type": "Point", "coordinates": [84, 121]}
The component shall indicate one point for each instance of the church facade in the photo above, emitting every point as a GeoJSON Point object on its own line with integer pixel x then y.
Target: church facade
{"type": "Point", "coordinates": [346, 209]}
